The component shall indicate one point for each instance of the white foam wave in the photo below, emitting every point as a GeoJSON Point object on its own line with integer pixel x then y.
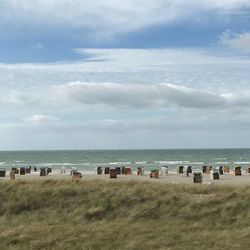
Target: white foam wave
{"type": "Point", "coordinates": [197, 162]}
{"type": "Point", "coordinates": [242, 162]}
{"type": "Point", "coordinates": [172, 162]}
{"type": "Point", "coordinates": [221, 163]}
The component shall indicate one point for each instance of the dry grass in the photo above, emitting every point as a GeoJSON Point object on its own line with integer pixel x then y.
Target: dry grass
{"type": "Point", "coordinates": [123, 215]}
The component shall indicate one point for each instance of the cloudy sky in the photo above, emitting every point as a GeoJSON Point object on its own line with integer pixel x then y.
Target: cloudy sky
{"type": "Point", "coordinates": [112, 74]}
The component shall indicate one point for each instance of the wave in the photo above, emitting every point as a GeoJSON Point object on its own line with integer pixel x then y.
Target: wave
{"type": "Point", "coordinates": [220, 159]}
{"type": "Point", "coordinates": [89, 165]}
{"type": "Point", "coordinates": [242, 162]}
{"type": "Point", "coordinates": [197, 162]}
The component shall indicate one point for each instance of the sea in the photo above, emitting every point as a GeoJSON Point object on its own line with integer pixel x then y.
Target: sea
{"type": "Point", "coordinates": [89, 160]}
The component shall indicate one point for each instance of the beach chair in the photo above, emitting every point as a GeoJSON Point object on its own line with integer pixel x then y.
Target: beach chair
{"type": "Point", "coordinates": [118, 170]}
{"type": "Point", "coordinates": [128, 171]}
{"type": "Point", "coordinates": [106, 170]}
{"type": "Point", "coordinates": [214, 175]}
{"type": "Point", "coordinates": [197, 177]}
{"type": "Point", "coordinates": [15, 170]}
{"type": "Point", "coordinates": [189, 169]}
{"type": "Point", "coordinates": [112, 173]}
{"type": "Point", "coordinates": [99, 170]}
{"type": "Point", "coordinates": [226, 169]}
{"type": "Point", "coordinates": [27, 170]}
{"type": "Point", "coordinates": [237, 170]}
{"type": "Point", "coordinates": [204, 169]}
{"type": "Point", "coordinates": [2, 172]}
{"type": "Point", "coordinates": [43, 171]}
{"type": "Point", "coordinates": [180, 169]}
{"type": "Point", "coordinates": [220, 169]}
{"type": "Point", "coordinates": [22, 171]}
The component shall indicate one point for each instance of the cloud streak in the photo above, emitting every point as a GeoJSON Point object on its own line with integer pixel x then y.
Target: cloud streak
{"type": "Point", "coordinates": [137, 96]}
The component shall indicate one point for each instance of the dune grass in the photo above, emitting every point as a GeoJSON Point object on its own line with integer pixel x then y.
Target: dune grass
{"type": "Point", "coordinates": [123, 215]}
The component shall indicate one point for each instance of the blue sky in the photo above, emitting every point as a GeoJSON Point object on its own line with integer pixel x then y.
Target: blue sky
{"type": "Point", "coordinates": [124, 74]}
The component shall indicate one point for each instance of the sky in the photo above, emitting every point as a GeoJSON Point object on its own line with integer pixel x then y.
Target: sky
{"type": "Point", "coordinates": [124, 74]}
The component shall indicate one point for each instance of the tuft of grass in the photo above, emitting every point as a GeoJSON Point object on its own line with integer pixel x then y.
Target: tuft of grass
{"type": "Point", "coordinates": [122, 215]}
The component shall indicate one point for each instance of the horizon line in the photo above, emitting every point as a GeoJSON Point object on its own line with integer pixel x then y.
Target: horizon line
{"type": "Point", "coordinates": [122, 149]}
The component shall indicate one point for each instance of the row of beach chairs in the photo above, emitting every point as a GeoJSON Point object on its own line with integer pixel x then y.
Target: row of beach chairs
{"type": "Point", "coordinates": [44, 171]}
{"type": "Point", "coordinates": [208, 169]}
{"type": "Point", "coordinates": [113, 172]}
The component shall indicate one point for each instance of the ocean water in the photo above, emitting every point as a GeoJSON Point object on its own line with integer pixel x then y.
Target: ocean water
{"type": "Point", "coordinates": [90, 159]}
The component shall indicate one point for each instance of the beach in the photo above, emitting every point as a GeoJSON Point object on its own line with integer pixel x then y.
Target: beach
{"type": "Point", "coordinates": [171, 178]}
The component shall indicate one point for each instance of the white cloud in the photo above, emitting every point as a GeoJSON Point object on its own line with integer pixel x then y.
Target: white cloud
{"type": "Point", "coordinates": [236, 41]}
{"type": "Point", "coordinates": [149, 57]}
{"type": "Point", "coordinates": [106, 17]}
{"type": "Point", "coordinates": [39, 119]}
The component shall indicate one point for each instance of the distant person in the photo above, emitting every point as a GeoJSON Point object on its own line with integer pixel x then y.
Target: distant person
{"type": "Point", "coordinates": [142, 170]}
{"type": "Point", "coordinates": [166, 169]}
{"type": "Point", "coordinates": [139, 171]}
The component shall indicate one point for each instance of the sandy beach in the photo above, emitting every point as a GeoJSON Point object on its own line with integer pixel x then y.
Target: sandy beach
{"type": "Point", "coordinates": [172, 177]}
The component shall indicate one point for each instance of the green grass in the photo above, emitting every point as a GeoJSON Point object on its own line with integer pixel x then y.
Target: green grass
{"type": "Point", "coordinates": [123, 215]}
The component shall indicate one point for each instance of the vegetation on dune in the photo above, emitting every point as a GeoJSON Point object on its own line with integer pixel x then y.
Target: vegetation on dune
{"type": "Point", "coordinates": [122, 215]}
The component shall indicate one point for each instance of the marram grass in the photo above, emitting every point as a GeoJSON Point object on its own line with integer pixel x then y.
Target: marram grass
{"type": "Point", "coordinates": [123, 215]}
